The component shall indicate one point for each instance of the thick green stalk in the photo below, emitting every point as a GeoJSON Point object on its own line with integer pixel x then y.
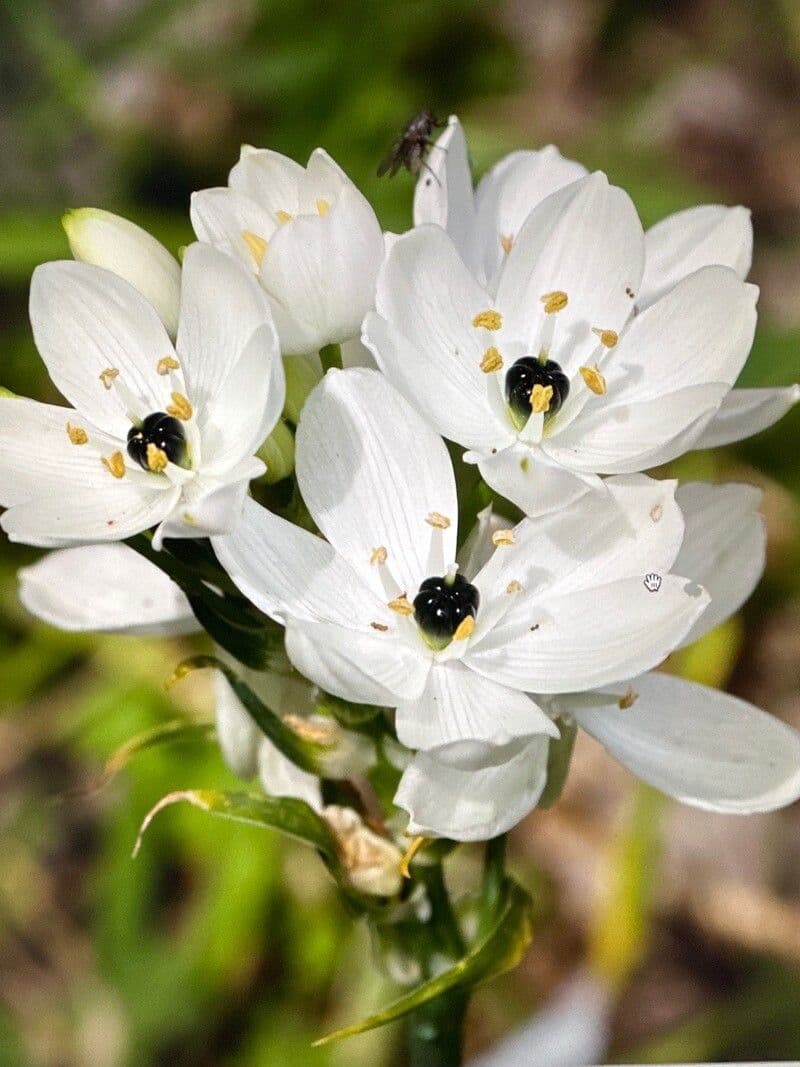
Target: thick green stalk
{"type": "Point", "coordinates": [434, 1032]}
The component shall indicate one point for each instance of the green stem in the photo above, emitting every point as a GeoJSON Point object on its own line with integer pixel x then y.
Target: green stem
{"type": "Point", "coordinates": [434, 1032]}
{"type": "Point", "coordinates": [331, 356]}
{"type": "Point", "coordinates": [494, 881]}
{"type": "Point", "coordinates": [443, 921]}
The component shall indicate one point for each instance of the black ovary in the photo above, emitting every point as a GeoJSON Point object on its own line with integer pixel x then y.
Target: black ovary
{"type": "Point", "coordinates": [442, 604]}
{"type": "Point", "coordinates": [161, 430]}
{"type": "Point", "coordinates": [528, 372]}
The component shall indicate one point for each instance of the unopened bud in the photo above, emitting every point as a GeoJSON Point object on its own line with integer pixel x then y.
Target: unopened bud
{"type": "Point", "coordinates": [278, 454]}
{"type": "Point", "coordinates": [371, 863]}
{"type": "Point", "coordinates": [302, 374]}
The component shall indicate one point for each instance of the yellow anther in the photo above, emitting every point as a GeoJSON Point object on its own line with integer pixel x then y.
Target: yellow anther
{"type": "Point", "coordinates": [165, 365]}
{"type": "Point", "coordinates": [506, 242]}
{"type": "Point", "coordinates": [77, 434]}
{"type": "Point", "coordinates": [283, 216]}
{"type": "Point", "coordinates": [378, 555]}
{"type": "Point", "coordinates": [465, 628]}
{"type": "Point", "coordinates": [114, 464]}
{"type": "Point", "coordinates": [437, 520]}
{"type": "Point", "coordinates": [323, 207]}
{"type": "Point", "coordinates": [156, 458]}
{"type": "Point", "coordinates": [513, 586]}
{"type": "Point", "coordinates": [541, 395]}
{"type": "Point", "coordinates": [608, 338]}
{"type": "Point", "coordinates": [411, 852]}
{"type": "Point", "coordinates": [180, 407]}
{"type": "Point", "coordinates": [488, 320]}
{"type": "Point", "coordinates": [555, 301]}
{"type": "Point", "coordinates": [401, 605]}
{"type": "Point", "coordinates": [257, 245]}
{"type": "Point", "coordinates": [492, 360]}
{"type": "Point", "coordinates": [594, 380]}
{"type": "Point", "coordinates": [380, 626]}
{"type": "Point", "coordinates": [628, 699]}
{"type": "Point", "coordinates": [503, 537]}
{"type": "Point", "coordinates": [108, 376]}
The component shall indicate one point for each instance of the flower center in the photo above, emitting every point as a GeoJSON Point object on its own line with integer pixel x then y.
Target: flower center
{"type": "Point", "coordinates": [159, 435]}
{"type": "Point", "coordinates": [534, 385]}
{"type": "Point", "coordinates": [442, 605]}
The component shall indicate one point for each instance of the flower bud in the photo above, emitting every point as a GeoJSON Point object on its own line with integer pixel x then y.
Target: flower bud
{"type": "Point", "coordinates": [278, 454]}
{"type": "Point", "coordinates": [343, 753]}
{"type": "Point", "coordinates": [110, 241]}
{"type": "Point", "coordinates": [302, 374]}
{"type": "Point", "coordinates": [371, 863]}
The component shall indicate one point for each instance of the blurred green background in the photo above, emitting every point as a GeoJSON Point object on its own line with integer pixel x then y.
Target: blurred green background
{"type": "Point", "coordinates": [220, 945]}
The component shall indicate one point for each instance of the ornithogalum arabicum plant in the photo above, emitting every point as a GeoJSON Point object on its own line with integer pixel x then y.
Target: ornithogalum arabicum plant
{"type": "Point", "coordinates": [403, 652]}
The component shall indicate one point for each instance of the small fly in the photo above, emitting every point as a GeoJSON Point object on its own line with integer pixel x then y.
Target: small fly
{"type": "Point", "coordinates": [410, 147]}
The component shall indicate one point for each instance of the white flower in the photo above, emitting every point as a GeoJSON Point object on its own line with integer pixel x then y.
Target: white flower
{"type": "Point", "coordinates": [550, 381]}
{"type": "Point", "coordinates": [378, 613]}
{"type": "Point", "coordinates": [110, 241]}
{"type": "Point", "coordinates": [700, 746]}
{"type": "Point", "coordinates": [158, 435]}
{"type": "Point", "coordinates": [307, 234]}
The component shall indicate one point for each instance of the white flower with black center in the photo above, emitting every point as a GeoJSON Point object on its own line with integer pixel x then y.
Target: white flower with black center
{"type": "Point", "coordinates": [702, 747]}
{"type": "Point", "coordinates": [158, 435]}
{"type": "Point", "coordinates": [308, 235]}
{"type": "Point", "coordinates": [380, 612]}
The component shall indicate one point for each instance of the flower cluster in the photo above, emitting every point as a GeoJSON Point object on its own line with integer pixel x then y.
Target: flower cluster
{"type": "Point", "coordinates": [440, 619]}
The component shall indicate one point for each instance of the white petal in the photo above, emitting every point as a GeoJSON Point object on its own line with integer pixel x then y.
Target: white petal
{"type": "Point", "coordinates": [247, 404]}
{"type": "Point", "coordinates": [368, 668]}
{"type": "Point", "coordinates": [104, 587]}
{"type": "Point", "coordinates": [237, 733]}
{"type": "Point", "coordinates": [510, 190]}
{"type": "Point", "coordinates": [86, 320]}
{"type": "Point", "coordinates": [704, 748]}
{"type": "Point", "coordinates": [371, 472]}
{"type": "Point", "coordinates": [221, 308]}
{"type": "Point", "coordinates": [460, 705]}
{"type": "Point", "coordinates": [110, 241]}
{"type": "Point", "coordinates": [320, 272]}
{"type": "Point", "coordinates": [221, 216]}
{"type": "Point", "coordinates": [529, 478]}
{"type": "Point", "coordinates": [724, 547]}
{"type": "Point", "coordinates": [268, 178]}
{"type": "Point", "coordinates": [585, 239]}
{"type": "Point", "coordinates": [479, 546]}
{"type": "Point", "coordinates": [443, 194]}
{"type": "Point", "coordinates": [208, 509]}
{"type": "Point", "coordinates": [592, 637]}
{"type": "Point", "coordinates": [688, 240]}
{"type": "Point", "coordinates": [356, 354]}
{"type": "Point", "coordinates": [745, 412]}
{"type": "Point", "coordinates": [472, 792]}
{"type": "Point", "coordinates": [286, 571]}
{"type": "Point", "coordinates": [433, 352]}
{"type": "Point", "coordinates": [280, 777]}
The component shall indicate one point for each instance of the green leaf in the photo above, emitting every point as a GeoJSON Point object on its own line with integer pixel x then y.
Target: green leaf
{"type": "Point", "coordinates": [286, 814]}
{"type": "Point", "coordinates": [559, 757]}
{"type": "Point", "coordinates": [498, 951]}
{"type": "Point", "coordinates": [302, 752]}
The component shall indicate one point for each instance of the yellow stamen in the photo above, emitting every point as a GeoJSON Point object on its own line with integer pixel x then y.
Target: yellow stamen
{"type": "Point", "coordinates": [108, 376]}
{"type": "Point", "coordinates": [628, 699]}
{"type": "Point", "coordinates": [411, 852]}
{"type": "Point", "coordinates": [555, 301]}
{"type": "Point", "coordinates": [513, 586]}
{"type": "Point", "coordinates": [541, 395]}
{"type": "Point", "coordinates": [165, 365]}
{"type": "Point", "coordinates": [492, 360]}
{"type": "Point", "coordinates": [156, 458]}
{"type": "Point", "coordinates": [608, 338]}
{"type": "Point", "coordinates": [594, 380]}
{"type": "Point", "coordinates": [180, 407]}
{"type": "Point", "coordinates": [401, 605]}
{"type": "Point", "coordinates": [323, 207]}
{"type": "Point", "coordinates": [283, 216]}
{"type": "Point", "coordinates": [77, 434]}
{"type": "Point", "coordinates": [257, 245]}
{"type": "Point", "coordinates": [114, 464]}
{"type": "Point", "coordinates": [382, 627]}
{"type": "Point", "coordinates": [437, 520]}
{"type": "Point", "coordinates": [503, 537]}
{"type": "Point", "coordinates": [488, 320]}
{"type": "Point", "coordinates": [464, 629]}
{"type": "Point", "coordinates": [506, 242]}
{"type": "Point", "coordinates": [379, 555]}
